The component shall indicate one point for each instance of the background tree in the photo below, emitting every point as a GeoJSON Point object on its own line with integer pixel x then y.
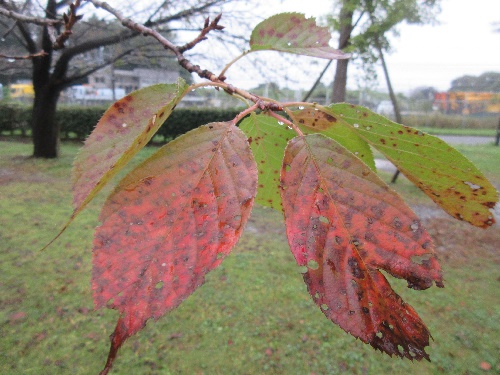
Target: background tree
{"type": "Point", "coordinates": [375, 19]}
{"type": "Point", "coordinates": [422, 98]}
{"type": "Point", "coordinates": [486, 82]}
{"type": "Point", "coordinates": [11, 69]}
{"type": "Point", "coordinates": [59, 68]}
{"type": "Point", "coordinates": [364, 26]}
{"type": "Point", "coordinates": [345, 26]}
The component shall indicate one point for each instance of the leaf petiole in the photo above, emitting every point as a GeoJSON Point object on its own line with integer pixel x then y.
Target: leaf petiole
{"type": "Point", "coordinates": [242, 114]}
{"type": "Point", "coordinates": [286, 121]}
{"type": "Point", "coordinates": [229, 64]}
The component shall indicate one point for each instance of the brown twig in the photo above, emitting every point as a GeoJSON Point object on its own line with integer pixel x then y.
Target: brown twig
{"type": "Point", "coordinates": [25, 57]}
{"type": "Point", "coordinates": [69, 21]}
{"type": "Point", "coordinates": [209, 26]}
{"type": "Point", "coordinates": [182, 60]}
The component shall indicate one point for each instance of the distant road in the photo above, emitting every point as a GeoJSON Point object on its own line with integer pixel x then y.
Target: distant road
{"type": "Point", "coordinates": [466, 139]}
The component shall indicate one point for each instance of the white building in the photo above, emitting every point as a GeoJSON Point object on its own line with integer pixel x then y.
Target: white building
{"type": "Point", "coordinates": [130, 80]}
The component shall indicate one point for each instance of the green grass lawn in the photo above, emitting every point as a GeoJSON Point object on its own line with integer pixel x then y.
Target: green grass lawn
{"type": "Point", "coordinates": [252, 316]}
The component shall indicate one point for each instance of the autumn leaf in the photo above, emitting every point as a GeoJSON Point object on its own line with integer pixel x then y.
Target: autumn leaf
{"type": "Point", "coordinates": [345, 225]}
{"type": "Point", "coordinates": [268, 140]}
{"type": "Point", "coordinates": [293, 33]}
{"type": "Point", "coordinates": [435, 167]}
{"type": "Point", "coordinates": [169, 222]}
{"type": "Point", "coordinates": [311, 120]}
{"type": "Point", "coordinates": [124, 129]}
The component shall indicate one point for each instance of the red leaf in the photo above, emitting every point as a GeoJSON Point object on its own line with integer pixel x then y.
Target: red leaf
{"type": "Point", "coordinates": [124, 129]}
{"type": "Point", "coordinates": [345, 225]}
{"type": "Point", "coordinates": [294, 33]}
{"type": "Point", "coordinates": [169, 222]}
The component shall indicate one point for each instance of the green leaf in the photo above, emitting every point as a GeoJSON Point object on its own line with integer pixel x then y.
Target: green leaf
{"type": "Point", "coordinates": [169, 222]}
{"type": "Point", "coordinates": [293, 33]}
{"type": "Point", "coordinates": [268, 140]}
{"type": "Point", "coordinates": [312, 121]}
{"type": "Point", "coordinates": [124, 129]}
{"type": "Point", "coordinates": [439, 170]}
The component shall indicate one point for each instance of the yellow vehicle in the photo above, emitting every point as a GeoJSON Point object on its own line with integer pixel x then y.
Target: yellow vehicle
{"type": "Point", "coordinates": [467, 103]}
{"type": "Point", "coordinates": [21, 91]}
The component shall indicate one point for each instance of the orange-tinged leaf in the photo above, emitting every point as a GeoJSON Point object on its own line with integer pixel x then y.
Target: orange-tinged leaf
{"type": "Point", "coordinates": [169, 222]}
{"type": "Point", "coordinates": [268, 140]}
{"type": "Point", "coordinates": [440, 171]}
{"type": "Point", "coordinates": [311, 120]}
{"type": "Point", "coordinates": [346, 225]}
{"type": "Point", "coordinates": [294, 33]}
{"type": "Point", "coordinates": [124, 129]}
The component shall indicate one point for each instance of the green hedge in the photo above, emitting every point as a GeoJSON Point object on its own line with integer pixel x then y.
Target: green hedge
{"type": "Point", "coordinates": [182, 120]}
{"type": "Point", "coordinates": [14, 117]}
{"type": "Point", "coordinates": [78, 122]}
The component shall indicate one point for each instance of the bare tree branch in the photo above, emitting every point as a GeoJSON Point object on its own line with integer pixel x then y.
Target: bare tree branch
{"type": "Point", "coordinates": [139, 28]}
{"type": "Point", "coordinates": [209, 26]}
{"type": "Point", "coordinates": [35, 20]}
{"type": "Point", "coordinates": [25, 57]}
{"type": "Point", "coordinates": [30, 43]}
{"type": "Point", "coordinates": [95, 68]}
{"type": "Point", "coordinates": [10, 8]}
{"type": "Point", "coordinates": [69, 21]}
{"type": "Point", "coordinates": [183, 61]}
{"type": "Point", "coordinates": [63, 3]}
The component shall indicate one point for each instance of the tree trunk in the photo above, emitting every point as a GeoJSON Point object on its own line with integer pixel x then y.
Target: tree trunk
{"type": "Point", "coordinates": [346, 26]}
{"type": "Point", "coordinates": [340, 81]}
{"type": "Point", "coordinates": [392, 95]}
{"type": "Point", "coordinates": [43, 122]}
{"type": "Point", "coordinates": [394, 100]}
{"type": "Point", "coordinates": [44, 126]}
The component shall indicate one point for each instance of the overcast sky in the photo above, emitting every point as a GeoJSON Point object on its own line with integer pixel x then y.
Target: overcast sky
{"type": "Point", "coordinates": [463, 43]}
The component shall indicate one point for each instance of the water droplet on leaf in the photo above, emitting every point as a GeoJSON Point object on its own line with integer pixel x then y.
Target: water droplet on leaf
{"type": "Point", "coordinates": [471, 185]}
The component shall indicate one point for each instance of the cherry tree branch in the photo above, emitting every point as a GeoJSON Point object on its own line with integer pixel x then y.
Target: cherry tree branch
{"type": "Point", "coordinates": [35, 20]}
{"type": "Point", "coordinates": [69, 21]}
{"type": "Point", "coordinates": [182, 60]}
{"type": "Point", "coordinates": [25, 57]}
{"type": "Point", "coordinates": [69, 80]}
{"type": "Point", "coordinates": [209, 26]}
